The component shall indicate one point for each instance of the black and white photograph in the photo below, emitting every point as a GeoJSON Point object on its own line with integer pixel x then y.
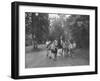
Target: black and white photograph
{"type": "Point", "coordinates": [50, 40]}
{"type": "Point", "coordinates": [53, 40]}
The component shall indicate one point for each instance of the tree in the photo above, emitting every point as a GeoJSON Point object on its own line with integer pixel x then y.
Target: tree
{"type": "Point", "coordinates": [28, 28]}
{"type": "Point", "coordinates": [57, 24]}
{"type": "Point", "coordinates": [28, 23]}
{"type": "Point", "coordinates": [40, 27]}
{"type": "Point", "coordinates": [37, 24]}
{"type": "Point", "coordinates": [79, 29]}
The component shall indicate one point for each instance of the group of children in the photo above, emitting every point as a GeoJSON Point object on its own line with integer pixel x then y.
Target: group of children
{"type": "Point", "coordinates": [59, 47]}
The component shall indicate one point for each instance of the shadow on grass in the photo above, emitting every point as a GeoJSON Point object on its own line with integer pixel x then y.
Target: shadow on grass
{"type": "Point", "coordinates": [29, 50]}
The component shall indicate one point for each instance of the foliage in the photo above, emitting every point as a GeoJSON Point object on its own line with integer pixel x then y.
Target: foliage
{"type": "Point", "coordinates": [79, 29]}
{"type": "Point", "coordinates": [57, 27]}
{"type": "Point", "coordinates": [28, 22]}
{"type": "Point", "coordinates": [40, 26]}
{"type": "Point", "coordinates": [37, 24]}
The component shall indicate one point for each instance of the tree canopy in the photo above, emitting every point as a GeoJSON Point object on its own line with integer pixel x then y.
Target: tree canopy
{"type": "Point", "coordinates": [37, 24]}
{"type": "Point", "coordinates": [40, 26]}
{"type": "Point", "coordinates": [79, 29]}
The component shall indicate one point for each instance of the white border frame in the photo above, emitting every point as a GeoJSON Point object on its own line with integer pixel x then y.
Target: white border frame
{"type": "Point", "coordinates": [53, 70]}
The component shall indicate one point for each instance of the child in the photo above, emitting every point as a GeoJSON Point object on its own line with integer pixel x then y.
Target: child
{"type": "Point", "coordinates": [54, 49]}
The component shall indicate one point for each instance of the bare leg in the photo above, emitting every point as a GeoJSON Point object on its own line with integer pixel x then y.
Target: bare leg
{"type": "Point", "coordinates": [47, 52]}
